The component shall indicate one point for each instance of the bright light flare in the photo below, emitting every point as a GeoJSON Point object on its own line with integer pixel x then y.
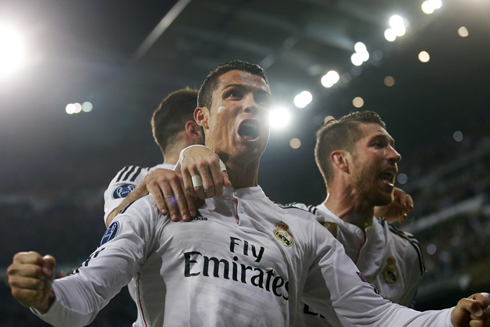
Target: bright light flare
{"type": "Point", "coordinates": [295, 143]}
{"type": "Point", "coordinates": [437, 4]}
{"type": "Point", "coordinates": [11, 50]}
{"type": "Point", "coordinates": [279, 117]}
{"type": "Point", "coordinates": [70, 108]}
{"type": "Point", "coordinates": [424, 56]}
{"type": "Point", "coordinates": [87, 106]}
{"type": "Point", "coordinates": [358, 102]}
{"type": "Point", "coordinates": [463, 31]}
{"type": "Point", "coordinates": [331, 78]}
{"type": "Point", "coordinates": [360, 47]}
{"type": "Point", "coordinates": [356, 59]}
{"type": "Point", "coordinates": [398, 25]}
{"type": "Point", "coordinates": [428, 7]}
{"type": "Point", "coordinates": [303, 99]}
{"type": "Point", "coordinates": [78, 107]}
{"type": "Point", "coordinates": [390, 35]}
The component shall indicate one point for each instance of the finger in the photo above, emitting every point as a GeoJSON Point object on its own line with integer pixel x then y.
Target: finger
{"type": "Point", "coordinates": [25, 270]}
{"type": "Point", "coordinates": [199, 190]}
{"type": "Point", "coordinates": [217, 177]}
{"type": "Point", "coordinates": [49, 266]}
{"type": "Point", "coordinates": [207, 181]}
{"type": "Point", "coordinates": [191, 205]}
{"type": "Point", "coordinates": [226, 179]}
{"type": "Point", "coordinates": [410, 202]}
{"type": "Point", "coordinates": [156, 191]}
{"type": "Point", "coordinates": [30, 257]}
{"type": "Point", "coordinates": [28, 283]}
{"type": "Point", "coordinates": [173, 211]}
{"type": "Point", "coordinates": [188, 186]}
{"type": "Point", "coordinates": [180, 199]}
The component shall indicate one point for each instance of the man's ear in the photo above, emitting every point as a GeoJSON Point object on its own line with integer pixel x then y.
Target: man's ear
{"type": "Point", "coordinates": [193, 131]}
{"type": "Point", "coordinates": [201, 117]}
{"type": "Point", "coordinates": [340, 160]}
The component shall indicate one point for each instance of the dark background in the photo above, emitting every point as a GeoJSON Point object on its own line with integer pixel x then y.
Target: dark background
{"type": "Point", "coordinates": [54, 167]}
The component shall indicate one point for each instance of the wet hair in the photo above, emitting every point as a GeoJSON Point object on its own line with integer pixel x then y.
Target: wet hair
{"type": "Point", "coordinates": [341, 134]}
{"type": "Point", "coordinates": [171, 115]}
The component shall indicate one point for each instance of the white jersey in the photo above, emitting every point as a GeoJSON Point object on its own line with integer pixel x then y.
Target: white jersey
{"type": "Point", "coordinates": [390, 259]}
{"type": "Point", "coordinates": [123, 183]}
{"type": "Point", "coordinates": [244, 261]}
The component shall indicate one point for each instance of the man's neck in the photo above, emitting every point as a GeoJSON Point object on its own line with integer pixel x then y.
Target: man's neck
{"type": "Point", "coordinates": [171, 159]}
{"type": "Point", "coordinates": [346, 204]}
{"type": "Point", "coordinates": [241, 174]}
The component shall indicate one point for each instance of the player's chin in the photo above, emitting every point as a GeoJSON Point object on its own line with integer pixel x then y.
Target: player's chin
{"type": "Point", "coordinates": [383, 199]}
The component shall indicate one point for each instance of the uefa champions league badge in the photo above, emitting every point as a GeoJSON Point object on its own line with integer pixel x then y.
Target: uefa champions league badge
{"type": "Point", "coordinates": [110, 233]}
{"type": "Point", "coordinates": [123, 191]}
{"type": "Point", "coordinates": [390, 271]}
{"type": "Point", "coordinates": [282, 234]}
{"type": "Point", "coordinates": [361, 276]}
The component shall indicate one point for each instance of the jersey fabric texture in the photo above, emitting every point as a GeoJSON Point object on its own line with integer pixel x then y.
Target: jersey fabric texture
{"type": "Point", "coordinates": [390, 259]}
{"type": "Point", "coordinates": [123, 183]}
{"type": "Point", "coordinates": [244, 261]}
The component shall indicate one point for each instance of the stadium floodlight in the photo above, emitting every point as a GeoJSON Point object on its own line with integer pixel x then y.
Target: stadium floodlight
{"type": "Point", "coordinates": [360, 47]}
{"type": "Point", "coordinates": [358, 102]}
{"type": "Point", "coordinates": [70, 108]}
{"type": "Point", "coordinates": [424, 56]}
{"type": "Point", "coordinates": [11, 50]}
{"type": "Point", "coordinates": [279, 117]}
{"type": "Point", "coordinates": [78, 108]}
{"type": "Point", "coordinates": [437, 4]}
{"type": "Point", "coordinates": [390, 35]}
{"type": "Point", "coordinates": [303, 99]}
{"type": "Point", "coordinates": [427, 7]}
{"type": "Point", "coordinates": [463, 31]}
{"type": "Point", "coordinates": [330, 78]}
{"type": "Point", "coordinates": [87, 106]}
{"type": "Point", "coordinates": [295, 143]}
{"type": "Point", "coordinates": [397, 24]}
{"type": "Point", "coordinates": [356, 59]}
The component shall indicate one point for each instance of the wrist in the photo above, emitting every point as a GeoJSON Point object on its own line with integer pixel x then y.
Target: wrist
{"type": "Point", "coordinates": [44, 307]}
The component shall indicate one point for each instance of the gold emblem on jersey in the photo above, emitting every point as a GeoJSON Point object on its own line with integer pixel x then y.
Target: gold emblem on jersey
{"type": "Point", "coordinates": [282, 234]}
{"type": "Point", "coordinates": [390, 271]}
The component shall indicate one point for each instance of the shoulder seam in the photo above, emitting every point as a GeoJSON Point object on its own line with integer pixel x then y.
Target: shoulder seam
{"type": "Point", "coordinates": [414, 243]}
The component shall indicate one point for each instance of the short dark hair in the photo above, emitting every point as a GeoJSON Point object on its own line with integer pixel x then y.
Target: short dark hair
{"type": "Point", "coordinates": [205, 96]}
{"type": "Point", "coordinates": [171, 115]}
{"type": "Point", "coordinates": [341, 134]}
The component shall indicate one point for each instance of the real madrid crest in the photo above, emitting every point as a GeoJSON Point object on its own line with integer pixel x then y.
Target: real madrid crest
{"type": "Point", "coordinates": [390, 271]}
{"type": "Point", "coordinates": [282, 234]}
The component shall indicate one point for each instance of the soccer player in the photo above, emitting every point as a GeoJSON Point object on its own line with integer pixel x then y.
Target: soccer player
{"type": "Point", "coordinates": [173, 129]}
{"type": "Point", "coordinates": [358, 162]}
{"type": "Point", "coordinates": [243, 262]}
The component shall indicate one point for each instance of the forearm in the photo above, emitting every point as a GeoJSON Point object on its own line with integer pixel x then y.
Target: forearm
{"type": "Point", "coordinates": [137, 193]}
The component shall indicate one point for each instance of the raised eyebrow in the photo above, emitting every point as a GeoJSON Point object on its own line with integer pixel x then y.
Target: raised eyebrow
{"type": "Point", "coordinates": [240, 86]}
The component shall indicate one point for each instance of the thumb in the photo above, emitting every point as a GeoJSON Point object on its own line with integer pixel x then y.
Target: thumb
{"type": "Point", "coordinates": [49, 266]}
{"type": "Point", "coordinates": [226, 179]}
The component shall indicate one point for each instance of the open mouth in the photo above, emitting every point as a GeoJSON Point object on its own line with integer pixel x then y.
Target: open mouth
{"type": "Point", "coordinates": [249, 130]}
{"type": "Point", "coordinates": [388, 176]}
